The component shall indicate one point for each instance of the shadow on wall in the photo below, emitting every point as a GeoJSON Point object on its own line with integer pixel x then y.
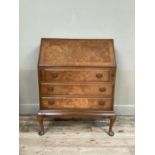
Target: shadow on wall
{"type": "Point", "coordinates": [124, 83]}
{"type": "Point", "coordinates": [28, 81]}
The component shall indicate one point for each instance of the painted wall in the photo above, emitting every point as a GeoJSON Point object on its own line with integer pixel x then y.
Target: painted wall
{"type": "Point", "coordinates": [77, 19]}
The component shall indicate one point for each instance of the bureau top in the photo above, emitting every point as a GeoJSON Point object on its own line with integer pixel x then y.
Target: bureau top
{"type": "Point", "coordinates": [77, 52]}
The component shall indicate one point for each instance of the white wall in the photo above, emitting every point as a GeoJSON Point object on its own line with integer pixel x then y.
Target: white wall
{"type": "Point", "coordinates": [77, 19]}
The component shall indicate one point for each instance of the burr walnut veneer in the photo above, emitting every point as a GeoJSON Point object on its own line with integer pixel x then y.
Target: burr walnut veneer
{"type": "Point", "coordinates": [76, 79]}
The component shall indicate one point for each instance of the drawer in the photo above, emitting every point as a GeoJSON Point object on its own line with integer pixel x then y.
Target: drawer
{"type": "Point", "coordinates": [48, 75]}
{"type": "Point", "coordinates": [76, 103]}
{"type": "Point", "coordinates": [103, 90]}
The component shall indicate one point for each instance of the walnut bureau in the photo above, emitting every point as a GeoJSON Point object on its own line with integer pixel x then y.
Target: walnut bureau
{"type": "Point", "coordinates": [76, 80]}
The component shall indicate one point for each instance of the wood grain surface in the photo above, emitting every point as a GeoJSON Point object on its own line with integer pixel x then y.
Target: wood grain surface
{"type": "Point", "coordinates": [98, 89]}
{"type": "Point", "coordinates": [75, 75]}
{"type": "Point", "coordinates": [76, 103]}
{"type": "Point", "coordinates": [77, 52]}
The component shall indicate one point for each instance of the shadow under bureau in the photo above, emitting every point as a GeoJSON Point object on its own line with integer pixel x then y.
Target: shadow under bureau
{"type": "Point", "coordinates": [76, 80]}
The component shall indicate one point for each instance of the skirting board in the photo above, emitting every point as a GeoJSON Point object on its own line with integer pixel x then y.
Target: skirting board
{"type": "Point", "coordinates": [27, 109]}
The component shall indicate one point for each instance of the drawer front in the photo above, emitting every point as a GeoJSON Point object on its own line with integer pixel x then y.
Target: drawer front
{"type": "Point", "coordinates": [76, 103]}
{"type": "Point", "coordinates": [49, 75]}
{"type": "Point", "coordinates": [103, 90]}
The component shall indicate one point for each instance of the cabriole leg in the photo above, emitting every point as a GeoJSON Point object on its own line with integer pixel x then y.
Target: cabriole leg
{"type": "Point", "coordinates": [112, 121]}
{"type": "Point", "coordinates": [40, 120]}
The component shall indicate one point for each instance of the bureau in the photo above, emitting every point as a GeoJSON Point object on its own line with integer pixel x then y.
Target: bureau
{"type": "Point", "coordinates": [76, 80]}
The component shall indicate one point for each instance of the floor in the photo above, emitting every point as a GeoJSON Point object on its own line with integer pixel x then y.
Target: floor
{"type": "Point", "coordinates": [77, 137]}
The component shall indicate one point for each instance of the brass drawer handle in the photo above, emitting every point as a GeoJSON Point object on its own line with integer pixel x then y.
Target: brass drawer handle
{"type": "Point", "coordinates": [51, 102]}
{"type": "Point", "coordinates": [101, 102]}
{"type": "Point", "coordinates": [54, 75]}
{"type": "Point", "coordinates": [99, 75]}
{"type": "Point", "coordinates": [102, 89]}
{"type": "Point", "coordinates": [113, 74]}
{"type": "Point", "coordinates": [51, 89]}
